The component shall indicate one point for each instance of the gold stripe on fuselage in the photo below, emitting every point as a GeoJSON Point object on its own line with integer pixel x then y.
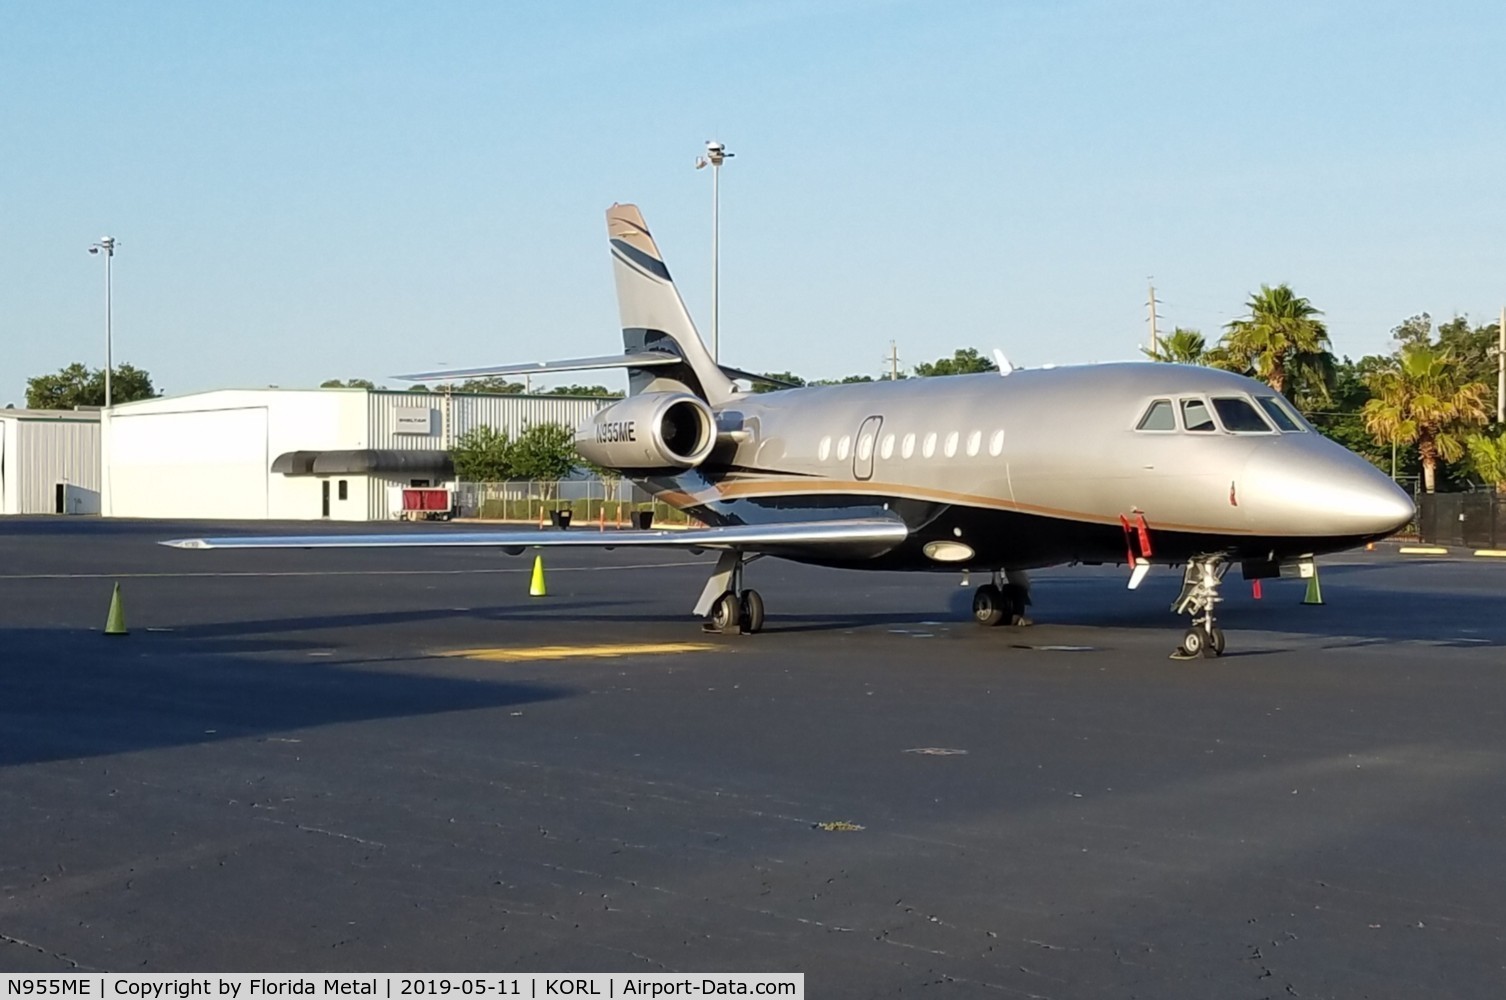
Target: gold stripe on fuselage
{"type": "Point", "coordinates": [752, 489]}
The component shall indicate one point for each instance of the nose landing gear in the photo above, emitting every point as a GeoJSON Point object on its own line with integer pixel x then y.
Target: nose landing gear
{"type": "Point", "coordinates": [1199, 595]}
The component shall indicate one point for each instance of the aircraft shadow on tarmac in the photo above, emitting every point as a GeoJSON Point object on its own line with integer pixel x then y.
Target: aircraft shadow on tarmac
{"type": "Point", "coordinates": [66, 694]}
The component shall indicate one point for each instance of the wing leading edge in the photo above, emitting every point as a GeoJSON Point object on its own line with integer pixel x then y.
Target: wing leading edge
{"type": "Point", "coordinates": [870, 533]}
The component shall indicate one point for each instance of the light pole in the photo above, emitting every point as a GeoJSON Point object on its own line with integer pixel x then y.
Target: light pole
{"type": "Point", "coordinates": [106, 245]}
{"type": "Point", "coordinates": [715, 154]}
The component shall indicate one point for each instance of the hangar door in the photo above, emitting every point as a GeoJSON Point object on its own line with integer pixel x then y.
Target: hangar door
{"type": "Point", "coordinates": [193, 463]}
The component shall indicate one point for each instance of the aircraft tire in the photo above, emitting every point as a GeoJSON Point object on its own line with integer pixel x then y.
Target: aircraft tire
{"type": "Point", "coordinates": [1216, 640]}
{"type": "Point", "coordinates": [752, 612]}
{"type": "Point", "coordinates": [1196, 643]}
{"type": "Point", "coordinates": [725, 613]}
{"type": "Point", "coordinates": [989, 606]}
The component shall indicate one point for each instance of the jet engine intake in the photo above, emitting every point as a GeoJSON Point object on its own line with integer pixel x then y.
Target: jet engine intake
{"type": "Point", "coordinates": [657, 430]}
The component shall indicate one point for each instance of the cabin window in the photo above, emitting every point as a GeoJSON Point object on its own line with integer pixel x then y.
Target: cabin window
{"type": "Point", "coordinates": [1160, 417]}
{"type": "Point", "coordinates": [1196, 417]}
{"type": "Point", "coordinates": [865, 447]}
{"type": "Point", "coordinates": [843, 447]}
{"type": "Point", "coordinates": [974, 442]}
{"type": "Point", "coordinates": [824, 452]}
{"type": "Point", "coordinates": [1238, 416]}
{"type": "Point", "coordinates": [996, 444]}
{"type": "Point", "coordinates": [886, 450]}
{"type": "Point", "coordinates": [907, 448]}
{"type": "Point", "coordinates": [1278, 412]}
{"type": "Point", "coordinates": [929, 448]}
{"type": "Point", "coordinates": [951, 444]}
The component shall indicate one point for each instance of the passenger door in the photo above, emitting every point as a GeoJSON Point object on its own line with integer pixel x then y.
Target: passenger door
{"type": "Point", "coordinates": [866, 445]}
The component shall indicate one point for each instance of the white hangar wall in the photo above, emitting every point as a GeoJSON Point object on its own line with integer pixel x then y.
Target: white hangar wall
{"type": "Point", "coordinates": [49, 462]}
{"type": "Point", "coordinates": [212, 454]}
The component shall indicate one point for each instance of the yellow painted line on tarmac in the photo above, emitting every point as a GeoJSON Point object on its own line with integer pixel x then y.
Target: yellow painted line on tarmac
{"type": "Point", "coordinates": [1495, 553]}
{"type": "Point", "coordinates": [522, 654]}
{"type": "Point", "coordinates": [1423, 550]}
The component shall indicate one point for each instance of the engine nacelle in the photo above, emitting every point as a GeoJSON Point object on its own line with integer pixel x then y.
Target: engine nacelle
{"type": "Point", "coordinates": [657, 430]}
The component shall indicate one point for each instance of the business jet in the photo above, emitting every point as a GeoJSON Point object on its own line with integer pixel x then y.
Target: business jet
{"type": "Point", "coordinates": [1140, 464]}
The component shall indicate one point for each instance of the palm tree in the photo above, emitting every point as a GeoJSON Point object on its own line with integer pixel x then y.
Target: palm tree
{"type": "Point", "coordinates": [1282, 336]}
{"type": "Point", "coordinates": [1420, 399]}
{"type": "Point", "coordinates": [1182, 347]}
{"type": "Point", "coordinates": [1487, 456]}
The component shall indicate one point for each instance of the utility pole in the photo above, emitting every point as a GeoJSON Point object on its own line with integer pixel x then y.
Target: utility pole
{"type": "Point", "coordinates": [893, 360]}
{"type": "Point", "coordinates": [106, 246]}
{"type": "Point", "coordinates": [716, 154]}
{"type": "Point", "coordinates": [1155, 340]}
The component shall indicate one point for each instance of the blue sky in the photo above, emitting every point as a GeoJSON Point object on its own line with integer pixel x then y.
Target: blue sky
{"type": "Point", "coordinates": [307, 191]}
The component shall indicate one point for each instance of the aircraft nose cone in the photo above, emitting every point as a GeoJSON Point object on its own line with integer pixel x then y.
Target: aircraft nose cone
{"type": "Point", "coordinates": [1321, 488]}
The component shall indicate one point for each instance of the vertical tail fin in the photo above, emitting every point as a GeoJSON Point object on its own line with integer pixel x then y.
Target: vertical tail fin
{"type": "Point", "coordinates": [654, 316]}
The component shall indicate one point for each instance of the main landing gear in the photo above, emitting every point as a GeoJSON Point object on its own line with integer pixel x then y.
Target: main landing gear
{"type": "Point", "coordinates": [1199, 594]}
{"type": "Point", "coordinates": [1003, 601]}
{"type": "Point", "coordinates": [725, 603]}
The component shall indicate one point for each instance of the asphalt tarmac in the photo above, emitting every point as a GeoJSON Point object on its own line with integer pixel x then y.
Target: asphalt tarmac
{"type": "Point", "coordinates": [284, 768]}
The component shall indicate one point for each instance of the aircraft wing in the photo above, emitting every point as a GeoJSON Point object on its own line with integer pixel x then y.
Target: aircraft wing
{"type": "Point", "coordinates": [869, 533]}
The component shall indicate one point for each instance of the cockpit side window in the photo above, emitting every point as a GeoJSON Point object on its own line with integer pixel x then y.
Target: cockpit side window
{"type": "Point", "coordinates": [1238, 416]}
{"type": "Point", "coordinates": [1160, 417]}
{"type": "Point", "coordinates": [1195, 416]}
{"type": "Point", "coordinates": [1278, 412]}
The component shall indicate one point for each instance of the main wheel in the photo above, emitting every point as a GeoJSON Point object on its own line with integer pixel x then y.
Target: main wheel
{"type": "Point", "coordinates": [1216, 640]}
{"type": "Point", "coordinates": [1015, 599]}
{"type": "Point", "coordinates": [1195, 642]}
{"type": "Point", "coordinates": [752, 611]}
{"type": "Point", "coordinates": [726, 612]}
{"type": "Point", "coordinates": [989, 607]}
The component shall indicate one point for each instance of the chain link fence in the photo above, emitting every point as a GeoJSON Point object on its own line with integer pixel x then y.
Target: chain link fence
{"type": "Point", "coordinates": [1476, 520]}
{"type": "Point", "coordinates": [609, 502]}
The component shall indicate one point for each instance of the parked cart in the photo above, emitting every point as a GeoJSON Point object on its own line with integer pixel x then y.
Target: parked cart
{"type": "Point", "coordinates": [427, 504]}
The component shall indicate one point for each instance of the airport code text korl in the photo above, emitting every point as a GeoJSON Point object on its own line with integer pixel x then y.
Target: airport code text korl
{"type": "Point", "coordinates": [245, 986]}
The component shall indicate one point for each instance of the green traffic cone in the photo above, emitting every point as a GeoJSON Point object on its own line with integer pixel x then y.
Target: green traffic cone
{"type": "Point", "coordinates": [1314, 590]}
{"type": "Point", "coordinates": [115, 623]}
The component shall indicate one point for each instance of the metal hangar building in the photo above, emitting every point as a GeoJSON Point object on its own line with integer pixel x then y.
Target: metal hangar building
{"type": "Point", "coordinates": [49, 462]}
{"type": "Point", "coordinates": [298, 454]}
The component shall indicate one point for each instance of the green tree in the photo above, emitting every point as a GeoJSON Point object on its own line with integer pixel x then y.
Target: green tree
{"type": "Point", "coordinates": [1473, 347]}
{"type": "Point", "coordinates": [965, 361]}
{"type": "Point", "coordinates": [1420, 399]}
{"type": "Point", "coordinates": [845, 380]}
{"type": "Point", "coordinates": [350, 383]}
{"type": "Point", "coordinates": [1487, 457]}
{"type": "Point", "coordinates": [77, 385]}
{"type": "Point", "coordinates": [761, 387]}
{"type": "Point", "coordinates": [483, 455]}
{"type": "Point", "coordinates": [544, 451]}
{"type": "Point", "coordinates": [418, 387]}
{"type": "Point", "coordinates": [1181, 347]}
{"type": "Point", "coordinates": [597, 391]}
{"type": "Point", "coordinates": [494, 383]}
{"type": "Point", "coordinates": [1281, 341]}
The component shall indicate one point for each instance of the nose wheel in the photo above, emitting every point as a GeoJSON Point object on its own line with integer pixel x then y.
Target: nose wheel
{"type": "Point", "coordinates": [1204, 640]}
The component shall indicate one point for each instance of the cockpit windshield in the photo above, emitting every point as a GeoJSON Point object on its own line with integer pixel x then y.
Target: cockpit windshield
{"type": "Point", "coordinates": [1195, 416]}
{"type": "Point", "coordinates": [1238, 416]}
{"type": "Point", "coordinates": [1278, 411]}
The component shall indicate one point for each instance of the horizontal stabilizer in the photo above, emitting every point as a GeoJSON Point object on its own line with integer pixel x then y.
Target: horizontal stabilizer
{"type": "Point", "coordinates": [778, 383]}
{"type": "Point", "coordinates": [640, 359]}
{"type": "Point", "coordinates": [874, 534]}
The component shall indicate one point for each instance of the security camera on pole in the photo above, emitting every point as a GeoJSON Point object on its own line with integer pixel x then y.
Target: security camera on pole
{"type": "Point", "coordinates": [106, 245]}
{"type": "Point", "coordinates": [715, 154]}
